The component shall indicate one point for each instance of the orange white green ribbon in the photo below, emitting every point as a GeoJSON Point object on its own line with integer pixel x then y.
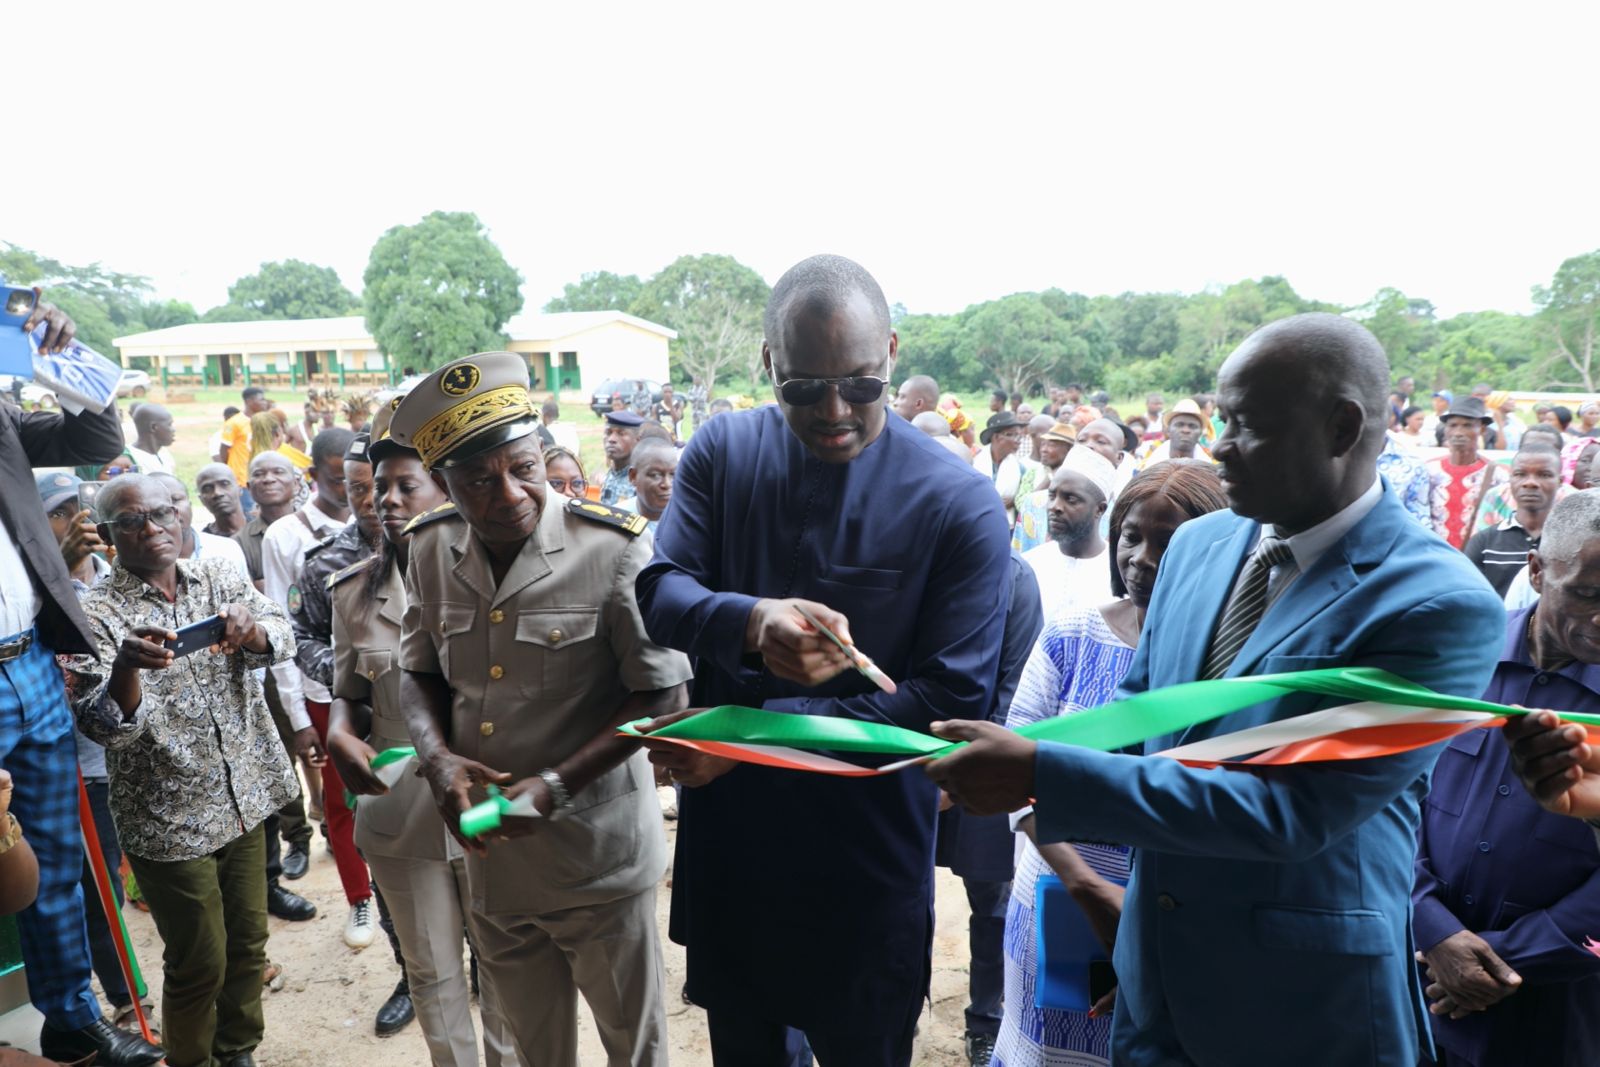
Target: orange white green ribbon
{"type": "Point", "coordinates": [1385, 714]}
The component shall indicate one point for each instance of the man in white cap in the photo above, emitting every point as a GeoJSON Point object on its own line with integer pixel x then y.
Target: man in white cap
{"type": "Point", "coordinates": [1185, 426]}
{"type": "Point", "coordinates": [1072, 567]}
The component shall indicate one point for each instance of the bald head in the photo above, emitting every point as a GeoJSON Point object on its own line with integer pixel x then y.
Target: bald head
{"type": "Point", "coordinates": [651, 448]}
{"type": "Point", "coordinates": [123, 488]}
{"type": "Point", "coordinates": [931, 423]}
{"type": "Point", "coordinates": [823, 285]}
{"type": "Point", "coordinates": [918, 393]}
{"type": "Point", "coordinates": [1040, 424]}
{"type": "Point", "coordinates": [271, 459]}
{"type": "Point", "coordinates": [1307, 401]}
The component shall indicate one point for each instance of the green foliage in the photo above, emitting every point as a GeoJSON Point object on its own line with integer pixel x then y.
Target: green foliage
{"type": "Point", "coordinates": [598, 291]}
{"type": "Point", "coordinates": [715, 303]}
{"type": "Point", "coordinates": [1569, 314]}
{"type": "Point", "coordinates": [438, 290]}
{"type": "Point", "coordinates": [291, 289]}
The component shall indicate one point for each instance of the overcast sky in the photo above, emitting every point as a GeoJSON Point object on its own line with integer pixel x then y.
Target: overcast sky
{"type": "Point", "coordinates": [1445, 149]}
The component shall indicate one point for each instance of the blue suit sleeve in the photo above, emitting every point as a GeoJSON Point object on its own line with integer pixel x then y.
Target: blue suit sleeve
{"type": "Point", "coordinates": [1545, 946]}
{"type": "Point", "coordinates": [1431, 919]}
{"type": "Point", "coordinates": [952, 673]}
{"type": "Point", "coordinates": [680, 609]}
{"type": "Point", "coordinates": [1284, 814]}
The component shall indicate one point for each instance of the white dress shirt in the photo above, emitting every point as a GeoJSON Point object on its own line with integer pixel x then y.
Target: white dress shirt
{"type": "Point", "coordinates": [19, 597]}
{"type": "Point", "coordinates": [1308, 546]}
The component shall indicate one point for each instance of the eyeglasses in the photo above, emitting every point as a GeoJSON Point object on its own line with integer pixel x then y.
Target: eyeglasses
{"type": "Point", "coordinates": [561, 485]}
{"type": "Point", "coordinates": [113, 471]}
{"type": "Point", "coordinates": [803, 392]}
{"type": "Point", "coordinates": [131, 522]}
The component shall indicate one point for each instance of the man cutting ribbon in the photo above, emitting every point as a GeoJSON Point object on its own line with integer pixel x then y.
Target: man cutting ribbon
{"type": "Point", "coordinates": [1267, 920]}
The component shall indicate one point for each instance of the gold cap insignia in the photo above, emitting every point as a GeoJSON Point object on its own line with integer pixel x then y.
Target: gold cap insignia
{"type": "Point", "coordinates": [459, 380]}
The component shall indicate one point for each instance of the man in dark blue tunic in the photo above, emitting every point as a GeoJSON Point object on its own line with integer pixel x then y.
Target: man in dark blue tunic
{"type": "Point", "coordinates": [805, 901]}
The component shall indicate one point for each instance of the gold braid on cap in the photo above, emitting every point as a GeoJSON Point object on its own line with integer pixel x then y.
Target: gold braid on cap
{"type": "Point", "coordinates": [443, 433]}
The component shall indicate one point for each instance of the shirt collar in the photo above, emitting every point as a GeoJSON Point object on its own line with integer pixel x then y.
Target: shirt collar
{"type": "Point", "coordinates": [126, 581]}
{"type": "Point", "coordinates": [1308, 546]}
{"type": "Point", "coordinates": [1518, 651]}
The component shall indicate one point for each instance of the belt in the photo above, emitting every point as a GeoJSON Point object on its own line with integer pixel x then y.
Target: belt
{"type": "Point", "coordinates": [12, 647]}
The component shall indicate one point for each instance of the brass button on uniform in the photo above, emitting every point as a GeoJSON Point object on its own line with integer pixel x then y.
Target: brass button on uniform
{"type": "Point", "coordinates": [486, 728]}
{"type": "Point", "coordinates": [371, 674]}
{"type": "Point", "coordinates": [556, 636]}
{"type": "Point", "coordinates": [497, 671]}
{"type": "Point", "coordinates": [497, 616]}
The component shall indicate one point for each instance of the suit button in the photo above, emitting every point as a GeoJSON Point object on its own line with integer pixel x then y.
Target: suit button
{"type": "Point", "coordinates": [1543, 679]}
{"type": "Point", "coordinates": [1166, 903]}
{"type": "Point", "coordinates": [555, 637]}
{"type": "Point", "coordinates": [1483, 846]}
{"type": "Point", "coordinates": [1504, 790]}
{"type": "Point", "coordinates": [497, 616]}
{"type": "Point", "coordinates": [486, 728]}
{"type": "Point", "coordinates": [1467, 898]}
{"type": "Point", "coordinates": [497, 672]}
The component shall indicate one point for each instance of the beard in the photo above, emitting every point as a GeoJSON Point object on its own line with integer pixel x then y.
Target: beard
{"type": "Point", "coordinates": [1071, 533]}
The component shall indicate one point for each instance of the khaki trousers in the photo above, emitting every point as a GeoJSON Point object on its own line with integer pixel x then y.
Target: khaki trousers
{"type": "Point", "coordinates": [428, 903]}
{"type": "Point", "coordinates": [211, 914]}
{"type": "Point", "coordinates": [609, 952]}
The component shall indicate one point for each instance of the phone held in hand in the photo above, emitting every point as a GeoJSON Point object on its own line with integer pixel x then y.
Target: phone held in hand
{"type": "Point", "coordinates": [198, 636]}
{"type": "Point", "coordinates": [16, 357]}
{"type": "Point", "coordinates": [87, 491]}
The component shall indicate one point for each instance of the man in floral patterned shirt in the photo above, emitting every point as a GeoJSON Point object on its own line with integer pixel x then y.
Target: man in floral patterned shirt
{"type": "Point", "coordinates": [194, 760]}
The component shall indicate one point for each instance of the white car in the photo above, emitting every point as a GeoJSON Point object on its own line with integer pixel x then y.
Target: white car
{"type": "Point", "coordinates": [133, 383]}
{"type": "Point", "coordinates": [34, 395]}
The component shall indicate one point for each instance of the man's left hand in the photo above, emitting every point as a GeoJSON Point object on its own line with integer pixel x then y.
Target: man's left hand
{"type": "Point", "coordinates": [684, 766]}
{"type": "Point", "coordinates": [993, 774]}
{"type": "Point", "coordinates": [239, 631]}
{"type": "Point", "coordinates": [59, 332]}
{"type": "Point", "coordinates": [1466, 975]}
{"type": "Point", "coordinates": [514, 826]}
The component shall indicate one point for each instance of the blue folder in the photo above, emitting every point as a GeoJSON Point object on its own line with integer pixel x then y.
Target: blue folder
{"type": "Point", "coordinates": [1066, 946]}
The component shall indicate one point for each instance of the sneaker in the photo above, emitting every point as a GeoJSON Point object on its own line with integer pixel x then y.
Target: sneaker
{"type": "Point", "coordinates": [358, 929]}
{"type": "Point", "coordinates": [980, 1049]}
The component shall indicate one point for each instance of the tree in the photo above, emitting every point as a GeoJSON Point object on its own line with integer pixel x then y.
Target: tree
{"type": "Point", "coordinates": [598, 291]}
{"type": "Point", "coordinates": [158, 315]}
{"type": "Point", "coordinates": [292, 289]}
{"type": "Point", "coordinates": [1020, 341]}
{"type": "Point", "coordinates": [931, 345]}
{"type": "Point", "coordinates": [715, 303]}
{"type": "Point", "coordinates": [1404, 325]}
{"type": "Point", "coordinates": [438, 290]}
{"type": "Point", "coordinates": [1569, 312]}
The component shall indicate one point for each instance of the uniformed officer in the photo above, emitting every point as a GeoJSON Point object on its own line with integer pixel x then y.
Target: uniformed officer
{"type": "Point", "coordinates": [417, 865]}
{"type": "Point", "coordinates": [522, 650]}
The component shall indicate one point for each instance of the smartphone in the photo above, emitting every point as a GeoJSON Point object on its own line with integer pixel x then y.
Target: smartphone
{"type": "Point", "coordinates": [16, 355]}
{"type": "Point", "coordinates": [1102, 979]}
{"type": "Point", "coordinates": [87, 491]}
{"type": "Point", "coordinates": [198, 636]}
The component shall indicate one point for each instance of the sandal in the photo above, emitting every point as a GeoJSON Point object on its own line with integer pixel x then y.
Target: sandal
{"type": "Point", "coordinates": [272, 976]}
{"type": "Point", "coordinates": [123, 1018]}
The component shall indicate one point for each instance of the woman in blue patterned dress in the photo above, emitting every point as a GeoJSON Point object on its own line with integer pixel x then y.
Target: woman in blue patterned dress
{"type": "Point", "coordinates": [1079, 660]}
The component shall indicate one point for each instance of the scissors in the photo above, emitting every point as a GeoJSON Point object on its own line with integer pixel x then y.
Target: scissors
{"type": "Point", "coordinates": [862, 661]}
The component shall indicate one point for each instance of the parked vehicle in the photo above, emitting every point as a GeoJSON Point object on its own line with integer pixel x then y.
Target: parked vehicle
{"type": "Point", "coordinates": [133, 383]}
{"type": "Point", "coordinates": [33, 395]}
{"type": "Point", "coordinates": [600, 400]}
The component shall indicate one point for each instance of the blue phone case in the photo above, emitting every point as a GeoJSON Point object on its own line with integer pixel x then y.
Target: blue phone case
{"type": "Point", "coordinates": [197, 636]}
{"type": "Point", "coordinates": [16, 355]}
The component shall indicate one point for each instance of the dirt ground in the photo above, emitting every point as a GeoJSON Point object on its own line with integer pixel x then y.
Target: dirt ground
{"type": "Point", "coordinates": [323, 1014]}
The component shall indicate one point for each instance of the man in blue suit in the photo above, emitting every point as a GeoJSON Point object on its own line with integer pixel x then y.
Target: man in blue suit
{"type": "Point", "coordinates": [1268, 918]}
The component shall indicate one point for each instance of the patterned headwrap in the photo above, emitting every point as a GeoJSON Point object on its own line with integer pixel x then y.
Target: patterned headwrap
{"type": "Point", "coordinates": [1570, 454]}
{"type": "Point", "coordinates": [950, 408]}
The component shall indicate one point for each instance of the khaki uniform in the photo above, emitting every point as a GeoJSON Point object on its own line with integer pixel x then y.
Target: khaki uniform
{"type": "Point", "coordinates": [417, 864]}
{"type": "Point", "coordinates": [536, 667]}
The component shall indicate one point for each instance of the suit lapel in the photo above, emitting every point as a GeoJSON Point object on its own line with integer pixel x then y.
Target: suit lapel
{"type": "Point", "coordinates": [532, 563]}
{"type": "Point", "coordinates": [390, 598]}
{"type": "Point", "coordinates": [472, 564]}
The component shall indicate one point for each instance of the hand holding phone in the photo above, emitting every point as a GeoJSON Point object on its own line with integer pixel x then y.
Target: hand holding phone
{"type": "Point", "coordinates": [198, 635]}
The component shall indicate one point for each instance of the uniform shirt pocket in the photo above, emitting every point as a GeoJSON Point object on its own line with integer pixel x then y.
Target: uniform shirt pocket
{"type": "Point", "coordinates": [862, 577]}
{"type": "Point", "coordinates": [562, 640]}
{"type": "Point", "coordinates": [448, 623]}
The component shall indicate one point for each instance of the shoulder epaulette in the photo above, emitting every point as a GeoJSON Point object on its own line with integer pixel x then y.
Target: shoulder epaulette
{"type": "Point", "coordinates": [351, 571]}
{"type": "Point", "coordinates": [443, 511]}
{"type": "Point", "coordinates": [311, 553]}
{"type": "Point", "coordinates": [628, 522]}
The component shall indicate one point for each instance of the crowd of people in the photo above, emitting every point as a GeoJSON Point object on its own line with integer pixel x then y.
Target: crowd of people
{"type": "Point", "coordinates": [442, 586]}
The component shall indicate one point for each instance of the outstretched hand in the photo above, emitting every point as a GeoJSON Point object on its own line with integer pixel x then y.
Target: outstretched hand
{"type": "Point", "coordinates": [992, 774]}
{"type": "Point", "coordinates": [1556, 763]}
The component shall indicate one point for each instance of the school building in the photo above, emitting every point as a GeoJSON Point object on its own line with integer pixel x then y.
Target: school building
{"type": "Point", "coordinates": [566, 352]}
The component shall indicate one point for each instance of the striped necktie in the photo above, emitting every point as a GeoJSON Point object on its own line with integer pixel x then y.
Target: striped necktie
{"type": "Point", "coordinates": [1246, 607]}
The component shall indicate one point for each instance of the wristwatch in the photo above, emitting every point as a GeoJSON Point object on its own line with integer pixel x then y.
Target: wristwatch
{"type": "Point", "coordinates": [560, 799]}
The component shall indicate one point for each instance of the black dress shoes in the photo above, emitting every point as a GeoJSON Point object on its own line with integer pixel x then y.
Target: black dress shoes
{"type": "Point", "coordinates": [240, 1059]}
{"type": "Point", "coordinates": [286, 905]}
{"type": "Point", "coordinates": [296, 860]}
{"type": "Point", "coordinates": [108, 1046]}
{"type": "Point", "coordinates": [397, 1012]}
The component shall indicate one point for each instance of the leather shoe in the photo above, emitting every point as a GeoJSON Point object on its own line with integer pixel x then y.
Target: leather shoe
{"type": "Point", "coordinates": [286, 905]}
{"type": "Point", "coordinates": [397, 1012]}
{"type": "Point", "coordinates": [296, 861]}
{"type": "Point", "coordinates": [100, 1041]}
{"type": "Point", "coordinates": [240, 1059]}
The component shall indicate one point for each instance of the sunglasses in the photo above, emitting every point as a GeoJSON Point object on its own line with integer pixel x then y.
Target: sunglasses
{"type": "Point", "coordinates": [131, 522]}
{"type": "Point", "coordinates": [803, 392]}
{"type": "Point", "coordinates": [560, 484]}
